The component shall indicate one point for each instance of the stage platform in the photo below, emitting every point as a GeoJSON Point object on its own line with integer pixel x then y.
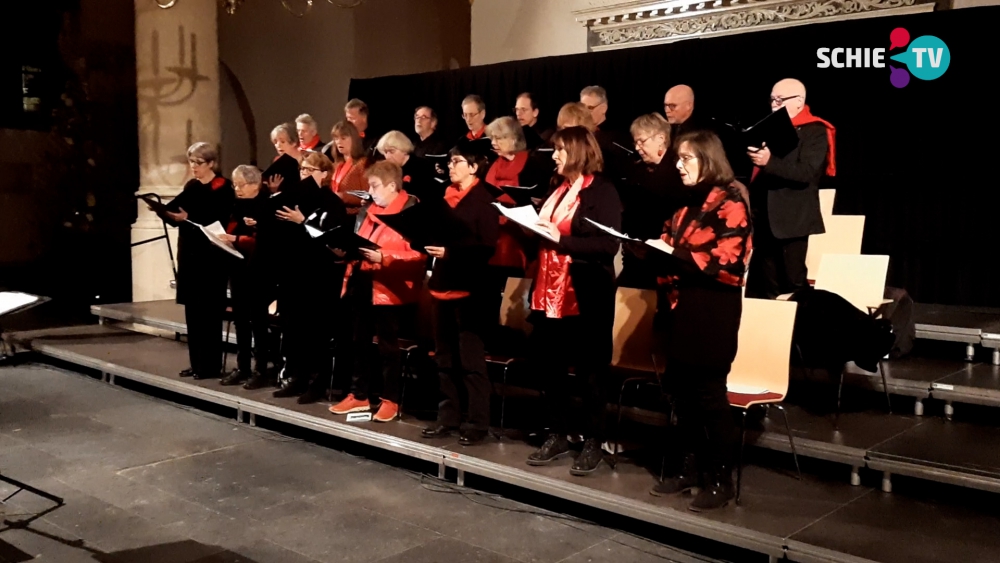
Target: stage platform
{"type": "Point", "coordinates": [813, 520]}
{"type": "Point", "coordinates": [970, 325]}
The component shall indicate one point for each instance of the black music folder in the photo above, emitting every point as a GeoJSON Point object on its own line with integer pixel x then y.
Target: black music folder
{"type": "Point", "coordinates": [342, 238]}
{"type": "Point", "coordinates": [522, 195]}
{"type": "Point", "coordinates": [776, 130]}
{"type": "Point", "coordinates": [285, 166]}
{"type": "Point", "coordinates": [153, 200]}
{"type": "Point", "coordinates": [427, 224]}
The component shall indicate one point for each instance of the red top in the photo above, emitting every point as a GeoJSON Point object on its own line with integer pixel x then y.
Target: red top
{"type": "Point", "coordinates": [554, 292]}
{"type": "Point", "coordinates": [472, 136]}
{"type": "Point", "coordinates": [452, 196]}
{"type": "Point", "coordinates": [340, 173]}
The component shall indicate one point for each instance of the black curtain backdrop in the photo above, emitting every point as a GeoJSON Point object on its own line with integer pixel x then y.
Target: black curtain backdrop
{"type": "Point", "coordinates": [918, 162]}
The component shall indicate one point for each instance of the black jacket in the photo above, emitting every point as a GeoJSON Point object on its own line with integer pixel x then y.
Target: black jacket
{"type": "Point", "coordinates": [786, 191]}
{"type": "Point", "coordinates": [651, 194]}
{"type": "Point", "coordinates": [201, 267]}
{"type": "Point", "coordinates": [464, 267]}
{"type": "Point", "coordinates": [423, 180]}
{"type": "Point", "coordinates": [433, 144]}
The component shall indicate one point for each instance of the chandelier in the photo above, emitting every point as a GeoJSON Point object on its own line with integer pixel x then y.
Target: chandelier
{"type": "Point", "coordinates": [297, 8]}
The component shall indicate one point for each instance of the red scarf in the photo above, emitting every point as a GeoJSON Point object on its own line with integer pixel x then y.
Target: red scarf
{"type": "Point", "coordinates": [554, 292]}
{"type": "Point", "coordinates": [805, 117]}
{"type": "Point", "coordinates": [472, 136]}
{"type": "Point", "coordinates": [310, 145]}
{"type": "Point", "coordinates": [506, 173]}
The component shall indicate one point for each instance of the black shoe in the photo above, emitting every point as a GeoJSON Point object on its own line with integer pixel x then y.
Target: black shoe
{"type": "Point", "coordinates": [290, 388]}
{"type": "Point", "coordinates": [235, 377]}
{"type": "Point", "coordinates": [258, 381]}
{"type": "Point", "coordinates": [186, 372]}
{"type": "Point", "coordinates": [203, 376]}
{"type": "Point", "coordinates": [472, 437]}
{"type": "Point", "coordinates": [555, 447]}
{"type": "Point", "coordinates": [717, 493]}
{"type": "Point", "coordinates": [438, 431]}
{"type": "Point", "coordinates": [311, 396]}
{"type": "Point", "coordinates": [589, 459]}
{"type": "Point", "coordinates": [683, 482]}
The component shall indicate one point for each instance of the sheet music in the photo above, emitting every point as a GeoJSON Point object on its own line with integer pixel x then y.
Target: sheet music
{"type": "Point", "coordinates": [212, 233]}
{"type": "Point", "coordinates": [611, 231]}
{"type": "Point", "coordinates": [660, 245]}
{"type": "Point", "coordinates": [525, 216]}
{"type": "Point", "coordinates": [745, 389]}
{"type": "Point", "coordinates": [365, 196]}
{"type": "Point", "coordinates": [314, 232]}
{"type": "Point", "coordinates": [10, 300]}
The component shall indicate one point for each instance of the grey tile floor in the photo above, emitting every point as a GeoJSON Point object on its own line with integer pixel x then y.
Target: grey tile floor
{"type": "Point", "coordinates": [147, 481]}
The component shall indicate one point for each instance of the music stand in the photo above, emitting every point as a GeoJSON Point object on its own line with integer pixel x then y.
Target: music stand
{"type": "Point", "coordinates": [12, 302]}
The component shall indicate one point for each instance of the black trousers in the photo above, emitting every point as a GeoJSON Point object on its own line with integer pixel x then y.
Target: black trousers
{"type": "Point", "coordinates": [461, 361]}
{"type": "Point", "coordinates": [704, 420]}
{"type": "Point", "coordinates": [375, 371]}
{"type": "Point", "coordinates": [778, 266]}
{"type": "Point", "coordinates": [555, 346]}
{"type": "Point", "coordinates": [250, 315]}
{"type": "Point", "coordinates": [308, 315]}
{"type": "Point", "coordinates": [203, 315]}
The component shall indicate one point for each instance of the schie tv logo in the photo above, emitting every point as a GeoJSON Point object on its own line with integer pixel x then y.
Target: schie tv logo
{"type": "Point", "coordinates": [927, 57]}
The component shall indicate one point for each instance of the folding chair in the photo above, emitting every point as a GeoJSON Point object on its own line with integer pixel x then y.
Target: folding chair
{"type": "Point", "coordinates": [843, 235]}
{"type": "Point", "coordinates": [514, 310]}
{"type": "Point", "coordinates": [633, 344]}
{"type": "Point", "coordinates": [860, 279]}
{"type": "Point", "coordinates": [760, 372]}
{"type": "Point", "coordinates": [826, 199]}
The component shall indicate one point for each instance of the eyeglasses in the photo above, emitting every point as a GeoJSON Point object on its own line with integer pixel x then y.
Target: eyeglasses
{"type": "Point", "coordinates": [593, 107]}
{"type": "Point", "coordinates": [470, 115]}
{"type": "Point", "coordinates": [419, 117]}
{"type": "Point", "coordinates": [308, 169]}
{"type": "Point", "coordinates": [457, 161]}
{"type": "Point", "coordinates": [639, 142]}
{"type": "Point", "coordinates": [687, 158]}
{"type": "Point", "coordinates": [779, 100]}
{"type": "Point", "coordinates": [670, 107]}
{"type": "Point", "coordinates": [197, 161]}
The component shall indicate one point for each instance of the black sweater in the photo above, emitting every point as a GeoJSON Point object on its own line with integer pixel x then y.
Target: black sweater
{"type": "Point", "coordinates": [464, 267]}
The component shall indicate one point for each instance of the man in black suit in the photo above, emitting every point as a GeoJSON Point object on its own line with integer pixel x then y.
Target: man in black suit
{"type": "Point", "coordinates": [784, 197]}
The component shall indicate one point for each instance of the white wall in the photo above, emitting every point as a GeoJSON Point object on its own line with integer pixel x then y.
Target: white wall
{"type": "Point", "coordinates": [510, 30]}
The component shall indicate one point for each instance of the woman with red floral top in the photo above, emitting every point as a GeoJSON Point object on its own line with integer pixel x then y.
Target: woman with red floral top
{"type": "Point", "coordinates": [573, 297]}
{"type": "Point", "coordinates": [380, 291]}
{"type": "Point", "coordinates": [705, 247]}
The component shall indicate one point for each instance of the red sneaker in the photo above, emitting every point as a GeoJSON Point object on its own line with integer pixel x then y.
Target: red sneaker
{"type": "Point", "coordinates": [387, 412]}
{"type": "Point", "coordinates": [350, 404]}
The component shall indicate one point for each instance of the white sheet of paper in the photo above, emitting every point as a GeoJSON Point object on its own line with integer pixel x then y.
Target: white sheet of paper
{"type": "Point", "coordinates": [745, 389]}
{"type": "Point", "coordinates": [212, 232]}
{"type": "Point", "coordinates": [313, 231]}
{"type": "Point", "coordinates": [526, 216]}
{"type": "Point", "coordinates": [10, 300]}
{"type": "Point", "coordinates": [610, 231]}
{"type": "Point", "coordinates": [660, 245]}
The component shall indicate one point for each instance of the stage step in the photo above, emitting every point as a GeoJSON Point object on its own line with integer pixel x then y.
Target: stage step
{"type": "Point", "coordinates": [951, 323]}
{"type": "Point", "coordinates": [811, 520]}
{"type": "Point", "coordinates": [165, 315]}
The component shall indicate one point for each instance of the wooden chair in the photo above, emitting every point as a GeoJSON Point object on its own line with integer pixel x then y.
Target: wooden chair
{"type": "Point", "coordinates": [514, 310]}
{"type": "Point", "coordinates": [760, 372]}
{"type": "Point", "coordinates": [860, 279]}
{"type": "Point", "coordinates": [633, 344]}
{"type": "Point", "coordinates": [843, 236]}
{"type": "Point", "coordinates": [826, 199]}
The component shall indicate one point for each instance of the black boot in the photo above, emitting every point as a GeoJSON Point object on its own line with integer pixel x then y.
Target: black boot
{"type": "Point", "coordinates": [258, 381]}
{"type": "Point", "coordinates": [588, 460]}
{"type": "Point", "coordinates": [316, 392]}
{"type": "Point", "coordinates": [235, 377]}
{"type": "Point", "coordinates": [188, 372]}
{"type": "Point", "coordinates": [291, 388]}
{"type": "Point", "coordinates": [685, 480]}
{"type": "Point", "coordinates": [555, 447]}
{"type": "Point", "coordinates": [717, 492]}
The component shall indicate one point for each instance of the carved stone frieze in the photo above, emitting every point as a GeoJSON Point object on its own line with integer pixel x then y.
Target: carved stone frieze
{"type": "Point", "coordinates": [672, 21]}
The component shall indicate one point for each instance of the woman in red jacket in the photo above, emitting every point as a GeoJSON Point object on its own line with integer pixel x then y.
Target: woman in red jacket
{"type": "Point", "coordinates": [379, 294]}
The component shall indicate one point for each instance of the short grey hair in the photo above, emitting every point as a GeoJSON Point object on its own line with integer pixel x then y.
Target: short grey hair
{"type": "Point", "coordinates": [394, 140]}
{"type": "Point", "coordinates": [203, 151]}
{"type": "Point", "coordinates": [507, 128]}
{"type": "Point", "coordinates": [474, 99]}
{"type": "Point", "coordinates": [288, 129]}
{"type": "Point", "coordinates": [601, 93]}
{"type": "Point", "coordinates": [308, 121]}
{"type": "Point", "coordinates": [250, 174]}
